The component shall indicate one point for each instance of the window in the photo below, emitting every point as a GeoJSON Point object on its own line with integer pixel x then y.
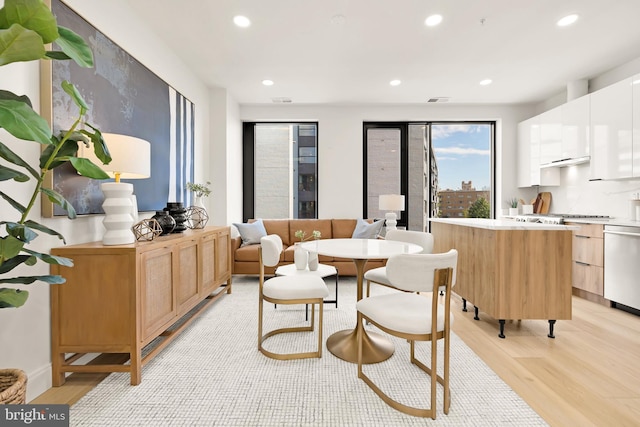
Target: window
{"type": "Point", "coordinates": [280, 177]}
{"type": "Point", "coordinates": [432, 164]}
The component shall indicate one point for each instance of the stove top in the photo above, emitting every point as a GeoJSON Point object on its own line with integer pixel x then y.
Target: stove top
{"type": "Point", "coordinates": [556, 218]}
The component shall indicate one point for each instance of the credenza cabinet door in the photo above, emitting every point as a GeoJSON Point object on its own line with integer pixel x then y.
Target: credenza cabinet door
{"type": "Point", "coordinates": [222, 259]}
{"type": "Point", "coordinates": [158, 302]}
{"type": "Point", "coordinates": [611, 131]}
{"type": "Point", "coordinates": [208, 253]}
{"type": "Point", "coordinates": [186, 283]}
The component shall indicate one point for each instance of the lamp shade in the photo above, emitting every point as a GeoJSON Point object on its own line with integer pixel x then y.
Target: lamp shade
{"type": "Point", "coordinates": [131, 156]}
{"type": "Point", "coordinates": [391, 202]}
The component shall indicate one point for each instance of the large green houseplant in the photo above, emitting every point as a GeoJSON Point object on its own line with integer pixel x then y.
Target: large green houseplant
{"type": "Point", "coordinates": [27, 27]}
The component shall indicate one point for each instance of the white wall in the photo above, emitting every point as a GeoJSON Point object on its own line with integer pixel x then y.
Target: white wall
{"type": "Point", "coordinates": [24, 332]}
{"type": "Point", "coordinates": [340, 144]}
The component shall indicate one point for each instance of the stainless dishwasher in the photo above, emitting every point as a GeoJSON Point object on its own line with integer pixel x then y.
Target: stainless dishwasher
{"type": "Point", "coordinates": [622, 265]}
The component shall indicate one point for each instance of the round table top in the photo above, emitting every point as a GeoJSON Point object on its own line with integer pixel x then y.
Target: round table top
{"type": "Point", "coordinates": [360, 248]}
{"type": "Point", "coordinates": [323, 270]}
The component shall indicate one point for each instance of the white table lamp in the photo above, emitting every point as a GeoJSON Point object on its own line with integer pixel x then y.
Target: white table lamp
{"type": "Point", "coordinates": [131, 159]}
{"type": "Point", "coordinates": [391, 203]}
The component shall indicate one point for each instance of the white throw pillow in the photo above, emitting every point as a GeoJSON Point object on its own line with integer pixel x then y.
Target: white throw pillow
{"type": "Point", "coordinates": [251, 232]}
{"type": "Point", "coordinates": [364, 230]}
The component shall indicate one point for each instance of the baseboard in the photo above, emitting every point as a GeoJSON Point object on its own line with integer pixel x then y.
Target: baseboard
{"type": "Point", "coordinates": [38, 382]}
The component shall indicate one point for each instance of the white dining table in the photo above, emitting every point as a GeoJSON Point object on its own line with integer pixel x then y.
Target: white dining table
{"type": "Point", "coordinates": [344, 344]}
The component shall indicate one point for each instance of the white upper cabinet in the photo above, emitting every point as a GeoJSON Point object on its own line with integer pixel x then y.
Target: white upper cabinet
{"type": "Point", "coordinates": [528, 160]}
{"type": "Point", "coordinates": [551, 135]}
{"type": "Point", "coordinates": [636, 124]}
{"type": "Point", "coordinates": [575, 128]}
{"type": "Point", "coordinates": [611, 131]}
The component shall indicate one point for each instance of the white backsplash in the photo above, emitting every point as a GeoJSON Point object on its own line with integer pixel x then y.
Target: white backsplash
{"type": "Point", "coordinates": [577, 195]}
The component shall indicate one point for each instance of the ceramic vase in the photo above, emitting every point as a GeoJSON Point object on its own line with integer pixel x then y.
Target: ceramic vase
{"type": "Point", "coordinates": [199, 202]}
{"type": "Point", "coordinates": [166, 221]}
{"type": "Point", "coordinates": [300, 257]}
{"type": "Point", "coordinates": [179, 214]}
{"type": "Point", "coordinates": [313, 261]}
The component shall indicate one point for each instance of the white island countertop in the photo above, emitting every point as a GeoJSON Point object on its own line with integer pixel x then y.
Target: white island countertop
{"type": "Point", "coordinates": [502, 224]}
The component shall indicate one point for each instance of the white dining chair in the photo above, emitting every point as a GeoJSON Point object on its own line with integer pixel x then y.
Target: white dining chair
{"type": "Point", "coordinates": [420, 238]}
{"type": "Point", "coordinates": [414, 317]}
{"type": "Point", "coordinates": [298, 289]}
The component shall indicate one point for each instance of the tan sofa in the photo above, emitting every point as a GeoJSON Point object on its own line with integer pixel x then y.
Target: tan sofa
{"type": "Point", "coordinates": [245, 258]}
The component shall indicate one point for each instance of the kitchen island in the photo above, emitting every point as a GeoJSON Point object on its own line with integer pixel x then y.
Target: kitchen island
{"type": "Point", "coordinates": [510, 270]}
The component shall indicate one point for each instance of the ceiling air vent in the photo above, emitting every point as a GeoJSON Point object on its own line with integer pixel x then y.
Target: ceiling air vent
{"type": "Point", "coordinates": [281, 100]}
{"type": "Point", "coordinates": [439, 99]}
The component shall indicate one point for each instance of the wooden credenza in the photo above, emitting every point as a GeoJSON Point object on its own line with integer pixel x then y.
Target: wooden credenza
{"type": "Point", "coordinates": [118, 299]}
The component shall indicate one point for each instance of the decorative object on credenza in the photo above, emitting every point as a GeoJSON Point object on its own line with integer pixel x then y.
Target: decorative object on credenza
{"type": "Point", "coordinates": [391, 203]}
{"type": "Point", "coordinates": [131, 159]}
{"type": "Point", "coordinates": [166, 221]}
{"type": "Point", "coordinates": [197, 217]}
{"type": "Point", "coordinates": [199, 191]}
{"type": "Point", "coordinates": [179, 214]}
{"type": "Point", "coordinates": [147, 230]}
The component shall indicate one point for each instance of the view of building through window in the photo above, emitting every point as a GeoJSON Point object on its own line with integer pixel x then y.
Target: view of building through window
{"type": "Point", "coordinates": [463, 154]}
{"type": "Point", "coordinates": [285, 170]}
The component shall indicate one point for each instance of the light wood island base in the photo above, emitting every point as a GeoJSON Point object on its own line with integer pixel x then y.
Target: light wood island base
{"type": "Point", "coordinates": [510, 270]}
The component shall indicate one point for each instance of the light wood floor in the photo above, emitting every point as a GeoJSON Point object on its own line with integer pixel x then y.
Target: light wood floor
{"type": "Point", "coordinates": [589, 375]}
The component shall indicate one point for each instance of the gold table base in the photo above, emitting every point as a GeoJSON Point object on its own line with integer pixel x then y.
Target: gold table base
{"type": "Point", "coordinates": [375, 347]}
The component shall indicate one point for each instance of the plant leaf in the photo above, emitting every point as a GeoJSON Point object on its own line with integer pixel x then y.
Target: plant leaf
{"type": "Point", "coordinates": [75, 95]}
{"type": "Point", "coordinates": [21, 121]}
{"type": "Point", "coordinates": [8, 173]}
{"type": "Point", "coordinates": [87, 168]}
{"type": "Point", "coordinates": [12, 297]}
{"type": "Point", "coordinates": [55, 197]}
{"type": "Point", "coordinates": [10, 247]}
{"type": "Point", "coordinates": [17, 206]}
{"type": "Point", "coordinates": [5, 94]}
{"type": "Point", "coordinates": [10, 156]}
{"type": "Point", "coordinates": [69, 148]}
{"type": "Point", "coordinates": [27, 280]}
{"type": "Point", "coordinates": [99, 145]}
{"type": "Point", "coordinates": [75, 47]}
{"type": "Point", "coordinates": [34, 15]}
{"type": "Point", "coordinates": [20, 44]}
{"type": "Point", "coordinates": [51, 259]}
{"type": "Point", "coordinates": [57, 55]}
{"type": "Point", "coordinates": [44, 229]}
{"type": "Point", "coordinates": [20, 231]}
{"type": "Point", "coordinates": [12, 263]}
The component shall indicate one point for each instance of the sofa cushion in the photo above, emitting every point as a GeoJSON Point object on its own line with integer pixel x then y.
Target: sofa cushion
{"type": "Point", "coordinates": [364, 230]}
{"type": "Point", "coordinates": [279, 227]}
{"type": "Point", "coordinates": [252, 232]}
{"type": "Point", "coordinates": [342, 228]}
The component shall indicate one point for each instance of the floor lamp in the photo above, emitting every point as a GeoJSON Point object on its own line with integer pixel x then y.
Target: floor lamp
{"type": "Point", "coordinates": [131, 159]}
{"type": "Point", "coordinates": [391, 203]}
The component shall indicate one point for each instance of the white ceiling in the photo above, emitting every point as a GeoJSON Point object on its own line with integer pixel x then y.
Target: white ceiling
{"type": "Point", "coordinates": [313, 60]}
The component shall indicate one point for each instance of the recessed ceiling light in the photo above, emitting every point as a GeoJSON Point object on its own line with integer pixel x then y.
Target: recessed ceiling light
{"type": "Point", "coordinates": [267, 82]}
{"type": "Point", "coordinates": [486, 82]}
{"type": "Point", "coordinates": [433, 20]}
{"type": "Point", "coordinates": [567, 20]}
{"type": "Point", "coordinates": [395, 82]}
{"type": "Point", "coordinates": [241, 21]}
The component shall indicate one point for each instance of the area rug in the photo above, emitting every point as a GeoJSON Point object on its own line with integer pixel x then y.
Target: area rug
{"type": "Point", "coordinates": [214, 375]}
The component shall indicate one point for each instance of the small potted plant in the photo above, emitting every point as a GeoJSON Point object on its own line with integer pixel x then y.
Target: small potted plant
{"type": "Point", "coordinates": [513, 206]}
{"type": "Point", "coordinates": [200, 191]}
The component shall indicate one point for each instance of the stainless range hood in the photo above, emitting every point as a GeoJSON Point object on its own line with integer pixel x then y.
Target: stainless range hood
{"type": "Point", "coordinates": [567, 162]}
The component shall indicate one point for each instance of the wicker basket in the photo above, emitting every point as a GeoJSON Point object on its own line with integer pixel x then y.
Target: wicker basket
{"type": "Point", "coordinates": [13, 387]}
